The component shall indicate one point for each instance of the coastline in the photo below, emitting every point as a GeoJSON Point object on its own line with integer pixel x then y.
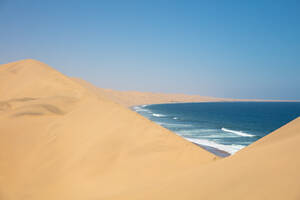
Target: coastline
{"type": "Point", "coordinates": [68, 134]}
{"type": "Point", "coordinates": [215, 151]}
{"type": "Point", "coordinates": [166, 120]}
{"type": "Point", "coordinates": [218, 152]}
{"type": "Point", "coordinates": [221, 101]}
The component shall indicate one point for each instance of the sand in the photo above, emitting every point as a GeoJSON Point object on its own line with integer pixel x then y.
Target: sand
{"type": "Point", "coordinates": [61, 139]}
{"type": "Point", "coordinates": [267, 169]}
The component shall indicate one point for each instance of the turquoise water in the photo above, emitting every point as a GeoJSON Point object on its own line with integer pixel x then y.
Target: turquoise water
{"type": "Point", "coordinates": [226, 126]}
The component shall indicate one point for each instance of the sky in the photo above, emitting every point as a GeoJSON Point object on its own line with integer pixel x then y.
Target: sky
{"type": "Point", "coordinates": [221, 48]}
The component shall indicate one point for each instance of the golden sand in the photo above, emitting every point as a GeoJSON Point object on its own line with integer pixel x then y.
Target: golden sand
{"type": "Point", "coordinates": [65, 140]}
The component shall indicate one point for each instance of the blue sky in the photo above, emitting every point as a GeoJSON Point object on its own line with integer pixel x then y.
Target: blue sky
{"type": "Point", "coordinates": [238, 49]}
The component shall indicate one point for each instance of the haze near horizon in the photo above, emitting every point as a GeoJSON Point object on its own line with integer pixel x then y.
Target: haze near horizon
{"type": "Point", "coordinates": [229, 49]}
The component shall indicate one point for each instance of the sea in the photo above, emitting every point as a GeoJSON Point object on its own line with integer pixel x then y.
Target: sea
{"type": "Point", "coordinates": [222, 128]}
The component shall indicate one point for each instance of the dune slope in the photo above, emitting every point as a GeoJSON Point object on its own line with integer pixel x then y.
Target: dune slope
{"type": "Point", "coordinates": [59, 140]}
{"type": "Point", "coordinates": [266, 170]}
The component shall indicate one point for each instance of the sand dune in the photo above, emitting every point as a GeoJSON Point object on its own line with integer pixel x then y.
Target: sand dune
{"type": "Point", "coordinates": [58, 140]}
{"type": "Point", "coordinates": [61, 139]}
{"type": "Point", "coordinates": [267, 169]}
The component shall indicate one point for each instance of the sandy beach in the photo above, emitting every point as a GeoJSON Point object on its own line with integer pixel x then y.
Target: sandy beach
{"type": "Point", "coordinates": [63, 138]}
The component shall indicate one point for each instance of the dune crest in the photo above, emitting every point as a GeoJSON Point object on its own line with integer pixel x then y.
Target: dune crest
{"type": "Point", "coordinates": [266, 170]}
{"type": "Point", "coordinates": [59, 140]}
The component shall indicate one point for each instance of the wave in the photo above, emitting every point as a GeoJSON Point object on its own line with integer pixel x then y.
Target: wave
{"type": "Point", "coordinates": [240, 133]}
{"type": "Point", "coordinates": [197, 131]}
{"type": "Point", "coordinates": [231, 149]}
{"type": "Point", "coordinates": [204, 133]}
{"type": "Point", "coordinates": [173, 125]}
{"type": "Point", "coordinates": [175, 117]}
{"type": "Point", "coordinates": [158, 115]}
{"type": "Point", "coordinates": [141, 109]}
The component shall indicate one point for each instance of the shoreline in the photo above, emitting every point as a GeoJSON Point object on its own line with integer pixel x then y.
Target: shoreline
{"type": "Point", "coordinates": [68, 134]}
{"type": "Point", "coordinates": [218, 152]}
{"type": "Point", "coordinates": [233, 101]}
{"type": "Point", "coordinates": [213, 150]}
{"type": "Point", "coordinates": [210, 148]}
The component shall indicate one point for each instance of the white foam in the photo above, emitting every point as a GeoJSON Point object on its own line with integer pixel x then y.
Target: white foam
{"type": "Point", "coordinates": [219, 136]}
{"type": "Point", "coordinates": [173, 125]}
{"type": "Point", "coordinates": [198, 131]}
{"type": "Point", "coordinates": [175, 117]}
{"type": "Point", "coordinates": [240, 133]}
{"type": "Point", "coordinates": [205, 133]}
{"type": "Point", "coordinates": [141, 109]}
{"type": "Point", "coordinates": [158, 115]}
{"type": "Point", "coordinates": [228, 148]}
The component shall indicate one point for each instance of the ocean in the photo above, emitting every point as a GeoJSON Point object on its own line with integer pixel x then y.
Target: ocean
{"type": "Point", "coordinates": [222, 128]}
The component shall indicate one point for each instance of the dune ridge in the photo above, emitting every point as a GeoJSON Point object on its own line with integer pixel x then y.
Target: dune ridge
{"type": "Point", "coordinates": [267, 169]}
{"type": "Point", "coordinates": [61, 139]}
